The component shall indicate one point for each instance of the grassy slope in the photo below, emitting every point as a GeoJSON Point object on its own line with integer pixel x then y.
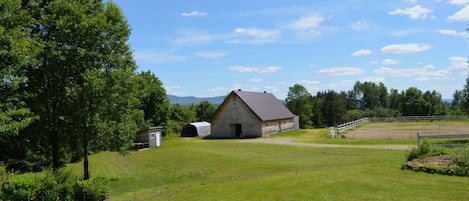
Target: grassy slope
{"type": "Point", "coordinates": [228, 170]}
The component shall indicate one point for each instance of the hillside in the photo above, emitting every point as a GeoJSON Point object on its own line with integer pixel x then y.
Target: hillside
{"type": "Point", "coordinates": [187, 100]}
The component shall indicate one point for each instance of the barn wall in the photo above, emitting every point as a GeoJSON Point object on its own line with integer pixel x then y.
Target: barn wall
{"type": "Point", "coordinates": [234, 111]}
{"type": "Point", "coordinates": [277, 126]}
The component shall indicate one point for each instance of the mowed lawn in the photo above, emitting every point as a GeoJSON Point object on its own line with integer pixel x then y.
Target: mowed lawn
{"type": "Point", "coordinates": [196, 169]}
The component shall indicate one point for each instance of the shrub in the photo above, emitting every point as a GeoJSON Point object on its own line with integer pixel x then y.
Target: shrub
{"type": "Point", "coordinates": [19, 188]}
{"type": "Point", "coordinates": [94, 189]}
{"type": "Point", "coordinates": [53, 187]}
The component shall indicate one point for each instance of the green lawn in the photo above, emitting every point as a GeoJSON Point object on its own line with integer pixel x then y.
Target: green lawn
{"type": "Point", "coordinates": [196, 169]}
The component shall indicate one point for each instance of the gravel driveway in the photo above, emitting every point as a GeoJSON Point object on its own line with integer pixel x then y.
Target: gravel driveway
{"type": "Point", "coordinates": [291, 141]}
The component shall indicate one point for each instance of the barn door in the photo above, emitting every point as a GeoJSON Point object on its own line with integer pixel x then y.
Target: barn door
{"type": "Point", "coordinates": [236, 130]}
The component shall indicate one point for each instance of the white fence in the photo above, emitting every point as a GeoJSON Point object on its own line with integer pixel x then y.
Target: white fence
{"type": "Point", "coordinates": [335, 131]}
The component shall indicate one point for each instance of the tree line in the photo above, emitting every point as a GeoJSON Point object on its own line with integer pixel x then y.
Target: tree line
{"type": "Point", "coordinates": [369, 99]}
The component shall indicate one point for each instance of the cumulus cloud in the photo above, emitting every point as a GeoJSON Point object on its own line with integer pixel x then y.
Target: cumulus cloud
{"type": "Point", "coordinates": [342, 71]}
{"type": "Point", "coordinates": [388, 62]}
{"type": "Point", "coordinates": [362, 53]}
{"type": "Point", "coordinates": [453, 33]}
{"type": "Point", "coordinates": [248, 69]}
{"type": "Point", "coordinates": [417, 73]}
{"type": "Point", "coordinates": [405, 48]}
{"type": "Point", "coordinates": [194, 13]}
{"type": "Point", "coordinates": [257, 33]}
{"type": "Point", "coordinates": [309, 82]}
{"type": "Point", "coordinates": [459, 2]}
{"type": "Point", "coordinates": [458, 63]}
{"type": "Point", "coordinates": [462, 15]}
{"type": "Point", "coordinates": [416, 12]}
{"type": "Point", "coordinates": [307, 22]}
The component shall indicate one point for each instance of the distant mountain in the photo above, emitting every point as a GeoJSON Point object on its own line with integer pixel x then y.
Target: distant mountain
{"type": "Point", "coordinates": [187, 100]}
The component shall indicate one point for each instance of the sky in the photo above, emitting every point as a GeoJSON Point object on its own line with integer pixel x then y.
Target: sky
{"type": "Point", "coordinates": [207, 48]}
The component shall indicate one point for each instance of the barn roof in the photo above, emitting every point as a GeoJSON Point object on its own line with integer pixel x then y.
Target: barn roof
{"type": "Point", "coordinates": [264, 105]}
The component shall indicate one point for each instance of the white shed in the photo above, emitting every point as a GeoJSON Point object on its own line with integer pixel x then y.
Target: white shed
{"type": "Point", "coordinates": [196, 129]}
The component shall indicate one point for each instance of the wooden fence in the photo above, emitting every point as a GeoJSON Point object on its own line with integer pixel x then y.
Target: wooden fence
{"type": "Point", "coordinates": [336, 131]}
{"type": "Point", "coordinates": [441, 136]}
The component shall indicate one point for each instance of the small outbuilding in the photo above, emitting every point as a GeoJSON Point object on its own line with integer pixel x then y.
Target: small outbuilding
{"type": "Point", "coordinates": [251, 114]}
{"type": "Point", "coordinates": [196, 129]}
{"type": "Point", "coordinates": [148, 138]}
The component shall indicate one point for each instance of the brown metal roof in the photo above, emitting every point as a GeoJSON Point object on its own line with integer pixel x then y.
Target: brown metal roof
{"type": "Point", "coordinates": [264, 105]}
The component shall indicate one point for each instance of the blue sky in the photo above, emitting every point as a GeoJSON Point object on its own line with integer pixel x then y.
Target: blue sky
{"type": "Point", "coordinates": [207, 48]}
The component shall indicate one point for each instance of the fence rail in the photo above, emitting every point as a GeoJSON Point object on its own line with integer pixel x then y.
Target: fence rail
{"type": "Point", "coordinates": [337, 130]}
{"type": "Point", "coordinates": [442, 136]}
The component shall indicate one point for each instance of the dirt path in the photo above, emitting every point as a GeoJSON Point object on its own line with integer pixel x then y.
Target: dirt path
{"type": "Point", "coordinates": [291, 141]}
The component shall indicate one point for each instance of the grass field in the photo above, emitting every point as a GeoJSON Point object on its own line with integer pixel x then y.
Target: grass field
{"type": "Point", "coordinates": [196, 169]}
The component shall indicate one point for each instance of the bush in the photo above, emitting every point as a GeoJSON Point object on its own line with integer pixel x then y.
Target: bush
{"type": "Point", "coordinates": [19, 188]}
{"type": "Point", "coordinates": [94, 189]}
{"type": "Point", "coordinates": [59, 187]}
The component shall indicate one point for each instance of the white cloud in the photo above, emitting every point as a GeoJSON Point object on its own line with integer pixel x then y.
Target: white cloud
{"type": "Point", "coordinates": [342, 71]}
{"type": "Point", "coordinates": [453, 33]}
{"type": "Point", "coordinates": [248, 69]}
{"type": "Point", "coordinates": [373, 79]}
{"type": "Point", "coordinates": [194, 14]}
{"type": "Point", "coordinates": [417, 73]}
{"type": "Point", "coordinates": [257, 33]}
{"type": "Point", "coordinates": [309, 82]}
{"type": "Point", "coordinates": [458, 63]}
{"type": "Point", "coordinates": [362, 52]}
{"type": "Point", "coordinates": [307, 23]}
{"type": "Point", "coordinates": [388, 62]}
{"type": "Point", "coordinates": [405, 48]}
{"type": "Point", "coordinates": [462, 15]}
{"type": "Point", "coordinates": [158, 57]}
{"type": "Point", "coordinates": [459, 2]}
{"type": "Point", "coordinates": [416, 12]}
{"type": "Point", "coordinates": [211, 55]}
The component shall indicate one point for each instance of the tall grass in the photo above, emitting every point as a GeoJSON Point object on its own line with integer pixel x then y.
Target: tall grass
{"type": "Point", "coordinates": [198, 169]}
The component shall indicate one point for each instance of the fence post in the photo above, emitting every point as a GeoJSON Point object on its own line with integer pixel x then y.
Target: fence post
{"type": "Point", "coordinates": [418, 140]}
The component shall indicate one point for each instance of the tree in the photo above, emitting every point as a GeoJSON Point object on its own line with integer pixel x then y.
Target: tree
{"type": "Point", "coordinates": [299, 102]}
{"type": "Point", "coordinates": [333, 107]}
{"type": "Point", "coordinates": [153, 99]}
{"type": "Point", "coordinates": [83, 86]}
{"type": "Point", "coordinates": [461, 98]}
{"type": "Point", "coordinates": [413, 103]}
{"type": "Point", "coordinates": [370, 95]}
{"type": "Point", "coordinates": [17, 53]}
{"type": "Point", "coordinates": [205, 111]}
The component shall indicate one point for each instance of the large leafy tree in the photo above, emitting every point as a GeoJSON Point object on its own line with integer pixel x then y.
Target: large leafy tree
{"type": "Point", "coordinates": [83, 85]}
{"type": "Point", "coordinates": [205, 111]}
{"type": "Point", "coordinates": [298, 101]}
{"type": "Point", "coordinates": [153, 98]}
{"type": "Point", "coordinates": [17, 53]}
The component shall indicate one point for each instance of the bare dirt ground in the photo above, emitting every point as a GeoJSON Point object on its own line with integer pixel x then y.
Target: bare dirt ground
{"type": "Point", "coordinates": [407, 130]}
{"type": "Point", "coordinates": [291, 141]}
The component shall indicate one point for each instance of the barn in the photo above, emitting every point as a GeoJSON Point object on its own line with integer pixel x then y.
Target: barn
{"type": "Point", "coordinates": [196, 129]}
{"type": "Point", "coordinates": [251, 114]}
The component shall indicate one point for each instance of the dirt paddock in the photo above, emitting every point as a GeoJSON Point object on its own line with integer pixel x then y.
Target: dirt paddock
{"type": "Point", "coordinates": [407, 130]}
